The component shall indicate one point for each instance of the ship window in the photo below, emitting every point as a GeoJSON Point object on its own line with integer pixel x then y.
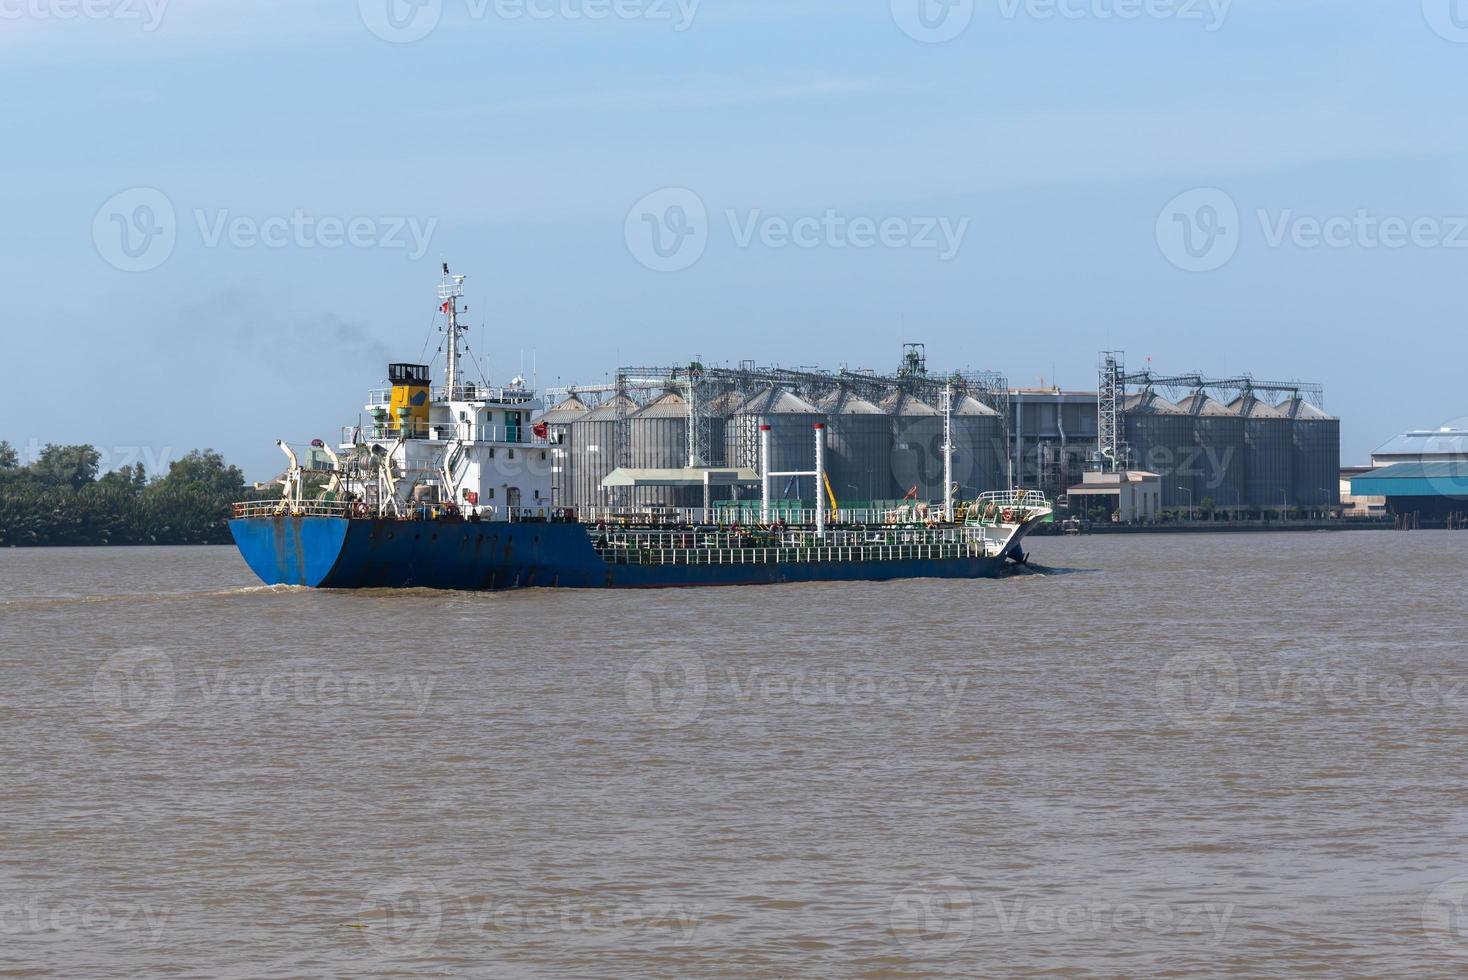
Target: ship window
{"type": "Point", "coordinates": [489, 494]}
{"type": "Point", "coordinates": [491, 452]}
{"type": "Point", "coordinates": [512, 454]}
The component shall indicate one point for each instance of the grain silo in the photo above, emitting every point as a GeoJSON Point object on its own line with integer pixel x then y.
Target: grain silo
{"type": "Point", "coordinates": [980, 453]}
{"type": "Point", "coordinates": [594, 451]}
{"type": "Point", "coordinates": [558, 430]}
{"type": "Point", "coordinates": [792, 422]}
{"type": "Point", "coordinates": [1316, 466]}
{"type": "Point", "coordinates": [1268, 453]}
{"type": "Point", "coordinates": [858, 449]}
{"type": "Point", "coordinates": [658, 438]}
{"type": "Point", "coordinates": [917, 446]}
{"type": "Point", "coordinates": [1160, 436]}
{"type": "Point", "coordinates": [1218, 463]}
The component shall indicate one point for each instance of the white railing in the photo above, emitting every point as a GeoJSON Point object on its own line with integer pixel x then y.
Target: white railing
{"type": "Point", "coordinates": [281, 507]}
{"type": "Point", "coordinates": [446, 431]}
{"type": "Point", "coordinates": [462, 393]}
{"type": "Point", "coordinates": [1015, 498]}
{"type": "Point", "coordinates": [724, 547]}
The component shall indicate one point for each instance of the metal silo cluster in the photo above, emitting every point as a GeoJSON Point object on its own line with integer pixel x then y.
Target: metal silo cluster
{"type": "Point", "coordinates": [792, 422]}
{"type": "Point", "coordinates": [558, 421]}
{"type": "Point", "coordinates": [658, 439]}
{"type": "Point", "coordinates": [1268, 452]}
{"type": "Point", "coordinates": [917, 446]}
{"type": "Point", "coordinates": [1316, 443]}
{"type": "Point", "coordinates": [1161, 439]}
{"type": "Point", "coordinates": [858, 448]}
{"type": "Point", "coordinates": [1216, 469]}
{"type": "Point", "coordinates": [980, 450]}
{"type": "Point", "coordinates": [594, 450]}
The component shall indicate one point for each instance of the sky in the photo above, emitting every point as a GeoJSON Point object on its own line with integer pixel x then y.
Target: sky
{"type": "Point", "coordinates": [223, 218]}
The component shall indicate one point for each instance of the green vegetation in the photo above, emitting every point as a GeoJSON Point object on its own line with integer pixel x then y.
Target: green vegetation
{"type": "Point", "coordinates": [60, 499]}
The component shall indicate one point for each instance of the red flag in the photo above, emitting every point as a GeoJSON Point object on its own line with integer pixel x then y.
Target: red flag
{"type": "Point", "coordinates": [445, 307]}
{"type": "Point", "coordinates": [541, 430]}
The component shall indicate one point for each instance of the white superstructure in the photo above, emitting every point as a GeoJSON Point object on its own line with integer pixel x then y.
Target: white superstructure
{"type": "Point", "coordinates": [459, 446]}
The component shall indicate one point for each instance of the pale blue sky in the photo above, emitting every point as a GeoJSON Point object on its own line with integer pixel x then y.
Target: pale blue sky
{"type": "Point", "coordinates": [522, 142]}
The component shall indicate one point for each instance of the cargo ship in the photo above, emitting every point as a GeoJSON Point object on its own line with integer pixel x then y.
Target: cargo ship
{"type": "Point", "coordinates": [452, 487]}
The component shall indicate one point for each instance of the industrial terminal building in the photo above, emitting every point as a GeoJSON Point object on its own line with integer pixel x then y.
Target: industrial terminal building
{"type": "Point", "coordinates": [677, 436]}
{"type": "Point", "coordinates": [1420, 476]}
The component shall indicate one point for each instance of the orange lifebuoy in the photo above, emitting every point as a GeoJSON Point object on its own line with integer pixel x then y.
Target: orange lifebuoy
{"type": "Point", "coordinates": [1008, 516]}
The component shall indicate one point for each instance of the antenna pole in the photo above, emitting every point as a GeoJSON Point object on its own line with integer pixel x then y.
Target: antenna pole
{"type": "Point", "coordinates": [948, 453]}
{"type": "Point", "coordinates": [449, 291]}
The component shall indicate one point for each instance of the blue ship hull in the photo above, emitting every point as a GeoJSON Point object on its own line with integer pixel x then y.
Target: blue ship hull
{"type": "Point", "coordinates": [342, 553]}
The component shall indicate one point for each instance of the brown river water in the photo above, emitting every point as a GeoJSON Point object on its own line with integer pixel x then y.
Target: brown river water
{"type": "Point", "coordinates": [1149, 756]}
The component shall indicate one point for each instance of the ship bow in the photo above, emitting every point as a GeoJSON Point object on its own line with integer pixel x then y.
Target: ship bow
{"type": "Point", "coordinates": [290, 550]}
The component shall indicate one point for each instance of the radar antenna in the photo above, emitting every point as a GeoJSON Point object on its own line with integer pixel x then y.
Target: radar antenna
{"type": "Point", "coordinates": [450, 290]}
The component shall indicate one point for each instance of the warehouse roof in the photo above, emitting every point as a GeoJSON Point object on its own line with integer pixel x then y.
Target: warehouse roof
{"type": "Point", "coordinates": [1436, 442]}
{"type": "Point", "coordinates": [1447, 479]}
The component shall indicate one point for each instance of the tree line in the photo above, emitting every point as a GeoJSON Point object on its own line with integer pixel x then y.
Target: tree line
{"type": "Point", "coordinates": [61, 499]}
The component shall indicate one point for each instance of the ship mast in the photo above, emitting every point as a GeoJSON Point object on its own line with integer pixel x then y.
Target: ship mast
{"type": "Point", "coordinates": [449, 292]}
